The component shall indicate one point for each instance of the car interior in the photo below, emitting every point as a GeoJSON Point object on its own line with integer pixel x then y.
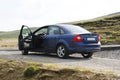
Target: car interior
{"type": "Point", "coordinates": [38, 38]}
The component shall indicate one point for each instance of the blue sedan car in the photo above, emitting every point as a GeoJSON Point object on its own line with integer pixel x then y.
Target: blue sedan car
{"type": "Point", "coordinates": [62, 39]}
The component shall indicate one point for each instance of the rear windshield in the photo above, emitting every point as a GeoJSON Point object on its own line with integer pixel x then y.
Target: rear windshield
{"type": "Point", "coordinates": [76, 29]}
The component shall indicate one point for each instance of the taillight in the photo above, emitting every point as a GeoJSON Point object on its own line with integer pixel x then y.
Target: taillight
{"type": "Point", "coordinates": [77, 38]}
{"type": "Point", "coordinates": [98, 37]}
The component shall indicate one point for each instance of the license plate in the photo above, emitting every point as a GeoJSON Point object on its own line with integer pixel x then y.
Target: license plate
{"type": "Point", "coordinates": [90, 39]}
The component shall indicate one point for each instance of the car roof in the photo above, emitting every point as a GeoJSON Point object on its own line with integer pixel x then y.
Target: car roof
{"type": "Point", "coordinates": [69, 28]}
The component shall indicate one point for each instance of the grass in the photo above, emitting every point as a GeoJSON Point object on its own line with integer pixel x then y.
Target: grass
{"type": "Point", "coordinates": [19, 70]}
{"type": "Point", "coordinates": [8, 43]}
{"type": "Point", "coordinates": [30, 71]}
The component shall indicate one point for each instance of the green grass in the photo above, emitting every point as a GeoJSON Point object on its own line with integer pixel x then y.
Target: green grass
{"type": "Point", "coordinates": [12, 34]}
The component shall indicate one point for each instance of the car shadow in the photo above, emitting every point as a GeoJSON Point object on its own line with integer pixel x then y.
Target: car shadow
{"type": "Point", "coordinates": [71, 57]}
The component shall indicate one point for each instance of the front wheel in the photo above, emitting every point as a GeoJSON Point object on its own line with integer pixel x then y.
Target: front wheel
{"type": "Point", "coordinates": [62, 51]}
{"type": "Point", "coordinates": [24, 52]}
{"type": "Point", "coordinates": [87, 54]}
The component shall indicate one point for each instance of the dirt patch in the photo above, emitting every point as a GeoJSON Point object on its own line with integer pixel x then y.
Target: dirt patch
{"type": "Point", "coordinates": [19, 70]}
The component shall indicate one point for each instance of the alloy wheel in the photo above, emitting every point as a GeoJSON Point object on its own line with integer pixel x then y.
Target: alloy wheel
{"type": "Point", "coordinates": [62, 52]}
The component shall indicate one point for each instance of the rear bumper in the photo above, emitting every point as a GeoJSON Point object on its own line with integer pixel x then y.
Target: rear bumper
{"type": "Point", "coordinates": [87, 49]}
{"type": "Point", "coordinates": [78, 48]}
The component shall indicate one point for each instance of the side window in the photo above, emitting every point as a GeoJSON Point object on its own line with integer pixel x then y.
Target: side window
{"type": "Point", "coordinates": [25, 31]}
{"type": "Point", "coordinates": [42, 31]}
{"type": "Point", "coordinates": [53, 30]}
{"type": "Point", "coordinates": [61, 31]}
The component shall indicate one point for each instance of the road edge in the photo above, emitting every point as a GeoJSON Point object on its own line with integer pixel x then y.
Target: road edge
{"type": "Point", "coordinates": [103, 48]}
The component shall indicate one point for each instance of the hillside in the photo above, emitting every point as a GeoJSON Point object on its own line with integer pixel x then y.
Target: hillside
{"type": "Point", "coordinates": [117, 13]}
{"type": "Point", "coordinates": [12, 34]}
{"type": "Point", "coordinates": [107, 26]}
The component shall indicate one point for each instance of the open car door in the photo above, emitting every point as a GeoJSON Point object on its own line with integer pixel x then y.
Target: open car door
{"type": "Point", "coordinates": [25, 37]}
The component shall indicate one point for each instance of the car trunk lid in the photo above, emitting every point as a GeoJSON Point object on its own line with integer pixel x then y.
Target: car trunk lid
{"type": "Point", "coordinates": [90, 38]}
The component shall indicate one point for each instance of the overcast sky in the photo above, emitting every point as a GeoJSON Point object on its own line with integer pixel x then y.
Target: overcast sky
{"type": "Point", "coordinates": [14, 13]}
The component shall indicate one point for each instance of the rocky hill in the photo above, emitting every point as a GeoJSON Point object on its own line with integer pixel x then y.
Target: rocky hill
{"type": "Point", "coordinates": [107, 26]}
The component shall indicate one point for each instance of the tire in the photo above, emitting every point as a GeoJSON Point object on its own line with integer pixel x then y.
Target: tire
{"type": "Point", "coordinates": [24, 52]}
{"type": "Point", "coordinates": [87, 54]}
{"type": "Point", "coordinates": [61, 51]}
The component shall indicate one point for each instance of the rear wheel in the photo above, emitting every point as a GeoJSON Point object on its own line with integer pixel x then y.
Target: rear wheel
{"type": "Point", "coordinates": [62, 51]}
{"type": "Point", "coordinates": [87, 54]}
{"type": "Point", "coordinates": [24, 52]}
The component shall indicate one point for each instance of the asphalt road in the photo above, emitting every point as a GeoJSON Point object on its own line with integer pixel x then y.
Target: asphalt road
{"type": "Point", "coordinates": [97, 63]}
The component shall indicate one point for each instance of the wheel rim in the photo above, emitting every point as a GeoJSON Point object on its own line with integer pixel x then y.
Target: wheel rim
{"type": "Point", "coordinates": [61, 51]}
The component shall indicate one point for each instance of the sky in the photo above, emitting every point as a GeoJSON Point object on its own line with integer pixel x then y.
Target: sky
{"type": "Point", "coordinates": [36, 13]}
